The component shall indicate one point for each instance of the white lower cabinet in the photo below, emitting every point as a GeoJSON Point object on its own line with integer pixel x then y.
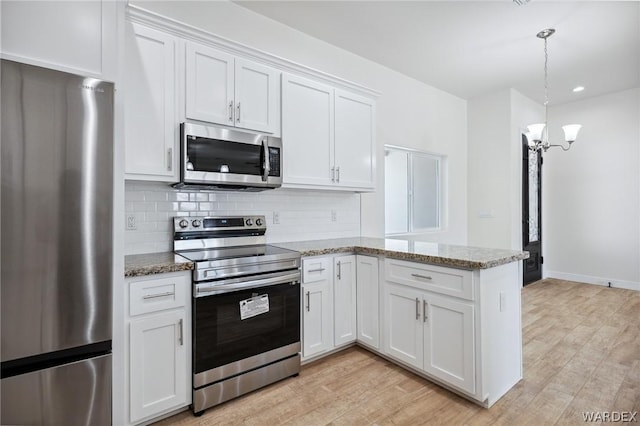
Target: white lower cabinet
{"type": "Point", "coordinates": [328, 303]}
{"type": "Point", "coordinates": [460, 328]}
{"type": "Point", "coordinates": [158, 356]}
{"type": "Point", "coordinates": [367, 297]}
{"type": "Point", "coordinates": [317, 318]}
{"type": "Point", "coordinates": [431, 333]}
{"type": "Point", "coordinates": [159, 345]}
{"type": "Point", "coordinates": [449, 350]}
{"type": "Point", "coordinates": [344, 300]}
{"type": "Point", "coordinates": [403, 327]}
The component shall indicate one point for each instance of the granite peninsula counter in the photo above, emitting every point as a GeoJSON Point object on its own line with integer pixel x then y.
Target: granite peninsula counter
{"type": "Point", "coordinates": [454, 256]}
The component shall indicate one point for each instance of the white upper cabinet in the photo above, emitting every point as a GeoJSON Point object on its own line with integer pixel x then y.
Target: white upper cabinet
{"type": "Point", "coordinates": [150, 128]}
{"type": "Point", "coordinates": [74, 36]}
{"type": "Point", "coordinates": [224, 89]}
{"type": "Point", "coordinates": [256, 94]}
{"type": "Point", "coordinates": [307, 131]}
{"type": "Point", "coordinates": [354, 140]}
{"type": "Point", "coordinates": [327, 135]}
{"type": "Point", "coordinates": [209, 82]}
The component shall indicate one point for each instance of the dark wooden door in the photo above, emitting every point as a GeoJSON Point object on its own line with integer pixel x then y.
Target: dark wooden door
{"type": "Point", "coordinates": [531, 212]}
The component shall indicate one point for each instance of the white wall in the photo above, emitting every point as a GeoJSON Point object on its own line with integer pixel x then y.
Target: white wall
{"type": "Point", "coordinates": [591, 194]}
{"type": "Point", "coordinates": [409, 113]}
{"type": "Point", "coordinates": [302, 214]}
{"type": "Point", "coordinates": [496, 122]}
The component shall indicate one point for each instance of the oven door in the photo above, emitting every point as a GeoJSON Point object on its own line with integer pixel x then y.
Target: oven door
{"type": "Point", "coordinates": [217, 156]}
{"type": "Point", "coordinates": [230, 338]}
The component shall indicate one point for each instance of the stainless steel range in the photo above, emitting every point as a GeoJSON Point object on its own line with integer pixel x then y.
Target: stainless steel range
{"type": "Point", "coordinates": [246, 307]}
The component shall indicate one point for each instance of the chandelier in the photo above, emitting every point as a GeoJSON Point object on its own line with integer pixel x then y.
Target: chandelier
{"type": "Point", "coordinates": [538, 134]}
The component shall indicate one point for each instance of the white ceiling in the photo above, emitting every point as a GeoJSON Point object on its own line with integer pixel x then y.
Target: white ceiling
{"type": "Point", "coordinates": [470, 48]}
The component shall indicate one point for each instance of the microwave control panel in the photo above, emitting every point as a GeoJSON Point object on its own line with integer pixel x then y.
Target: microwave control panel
{"type": "Point", "coordinates": [274, 161]}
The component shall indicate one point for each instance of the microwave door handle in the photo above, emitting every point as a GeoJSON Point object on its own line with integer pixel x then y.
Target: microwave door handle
{"type": "Point", "coordinates": [265, 167]}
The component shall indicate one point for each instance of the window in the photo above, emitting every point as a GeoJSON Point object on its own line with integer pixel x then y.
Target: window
{"type": "Point", "coordinates": [413, 191]}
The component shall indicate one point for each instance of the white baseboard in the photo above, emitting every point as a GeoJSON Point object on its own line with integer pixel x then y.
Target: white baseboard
{"type": "Point", "coordinates": [615, 283]}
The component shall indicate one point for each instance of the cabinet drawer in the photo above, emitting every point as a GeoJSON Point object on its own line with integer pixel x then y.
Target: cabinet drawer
{"type": "Point", "coordinates": [316, 269]}
{"type": "Point", "coordinates": [449, 281]}
{"type": "Point", "coordinates": [157, 294]}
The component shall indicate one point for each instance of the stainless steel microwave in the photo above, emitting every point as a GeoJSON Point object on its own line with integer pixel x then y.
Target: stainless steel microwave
{"type": "Point", "coordinates": [218, 158]}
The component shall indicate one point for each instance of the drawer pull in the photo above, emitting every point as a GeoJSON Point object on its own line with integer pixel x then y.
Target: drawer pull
{"type": "Point", "coordinates": [181, 331]}
{"type": "Point", "coordinates": [424, 277]}
{"type": "Point", "coordinates": [308, 301]}
{"type": "Point", "coordinates": [417, 308]}
{"type": "Point", "coordinates": [316, 270]}
{"type": "Point", "coordinates": [154, 296]}
{"type": "Point", "coordinates": [425, 315]}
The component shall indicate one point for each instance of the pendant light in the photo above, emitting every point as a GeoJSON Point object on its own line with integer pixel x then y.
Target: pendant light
{"type": "Point", "coordinates": [538, 134]}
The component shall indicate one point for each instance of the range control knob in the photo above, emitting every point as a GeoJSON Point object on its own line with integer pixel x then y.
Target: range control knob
{"type": "Point", "coordinates": [196, 223]}
{"type": "Point", "coordinates": [249, 222]}
{"type": "Point", "coordinates": [259, 222]}
{"type": "Point", "coordinates": [183, 223]}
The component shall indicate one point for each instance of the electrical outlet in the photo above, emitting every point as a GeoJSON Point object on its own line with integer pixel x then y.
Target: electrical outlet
{"type": "Point", "coordinates": [276, 218]}
{"type": "Point", "coordinates": [334, 216]}
{"type": "Point", "coordinates": [131, 222]}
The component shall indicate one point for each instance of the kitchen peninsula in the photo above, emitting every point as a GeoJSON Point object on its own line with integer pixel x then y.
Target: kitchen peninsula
{"type": "Point", "coordinates": [449, 313]}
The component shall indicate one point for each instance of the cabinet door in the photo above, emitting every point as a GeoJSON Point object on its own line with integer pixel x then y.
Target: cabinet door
{"type": "Point", "coordinates": [403, 333]}
{"type": "Point", "coordinates": [74, 36]}
{"type": "Point", "coordinates": [449, 342]}
{"type": "Point", "coordinates": [150, 130]}
{"type": "Point", "coordinates": [317, 318]}
{"type": "Point", "coordinates": [367, 301]}
{"type": "Point", "coordinates": [157, 370]}
{"type": "Point", "coordinates": [256, 96]}
{"type": "Point", "coordinates": [344, 300]}
{"type": "Point", "coordinates": [307, 131]}
{"type": "Point", "coordinates": [209, 84]}
{"type": "Point", "coordinates": [355, 155]}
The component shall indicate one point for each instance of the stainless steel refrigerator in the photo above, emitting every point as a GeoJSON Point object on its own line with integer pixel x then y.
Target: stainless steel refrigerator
{"type": "Point", "coordinates": [56, 255]}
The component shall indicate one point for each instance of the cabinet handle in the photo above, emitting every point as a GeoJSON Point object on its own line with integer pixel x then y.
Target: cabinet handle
{"type": "Point", "coordinates": [338, 174]}
{"type": "Point", "coordinates": [424, 277]}
{"type": "Point", "coordinates": [339, 270]}
{"type": "Point", "coordinates": [238, 113]}
{"type": "Point", "coordinates": [417, 308]}
{"type": "Point", "coordinates": [308, 301]}
{"type": "Point", "coordinates": [181, 332]}
{"type": "Point", "coordinates": [169, 159]}
{"type": "Point", "coordinates": [333, 174]}
{"type": "Point", "coordinates": [425, 315]}
{"type": "Point", "coordinates": [316, 270]}
{"type": "Point", "coordinates": [153, 296]}
{"type": "Point", "coordinates": [231, 111]}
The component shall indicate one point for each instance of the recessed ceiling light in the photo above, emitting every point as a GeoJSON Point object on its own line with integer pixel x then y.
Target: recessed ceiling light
{"type": "Point", "coordinates": [578, 89]}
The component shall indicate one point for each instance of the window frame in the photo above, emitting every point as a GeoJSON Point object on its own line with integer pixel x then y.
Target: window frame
{"type": "Point", "coordinates": [439, 197]}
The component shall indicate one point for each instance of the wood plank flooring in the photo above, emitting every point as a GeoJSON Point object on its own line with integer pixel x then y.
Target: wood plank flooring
{"type": "Point", "coordinates": [581, 354]}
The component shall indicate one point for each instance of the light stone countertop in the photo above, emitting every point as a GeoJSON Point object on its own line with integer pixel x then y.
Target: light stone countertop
{"type": "Point", "coordinates": [462, 257]}
{"type": "Point", "coordinates": [137, 265]}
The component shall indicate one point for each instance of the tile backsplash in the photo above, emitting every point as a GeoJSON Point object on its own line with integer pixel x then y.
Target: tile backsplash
{"type": "Point", "coordinates": [301, 214]}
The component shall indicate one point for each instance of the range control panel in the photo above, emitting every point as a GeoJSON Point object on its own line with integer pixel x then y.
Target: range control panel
{"type": "Point", "coordinates": [231, 223]}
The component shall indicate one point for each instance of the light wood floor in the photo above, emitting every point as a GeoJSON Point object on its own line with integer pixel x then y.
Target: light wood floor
{"type": "Point", "coordinates": [581, 353]}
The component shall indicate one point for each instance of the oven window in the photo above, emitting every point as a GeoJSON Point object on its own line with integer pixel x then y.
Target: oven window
{"type": "Point", "coordinates": [222, 337]}
{"type": "Point", "coordinates": [213, 155]}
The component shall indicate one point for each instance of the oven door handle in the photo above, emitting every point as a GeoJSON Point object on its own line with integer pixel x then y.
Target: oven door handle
{"type": "Point", "coordinates": [208, 289]}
